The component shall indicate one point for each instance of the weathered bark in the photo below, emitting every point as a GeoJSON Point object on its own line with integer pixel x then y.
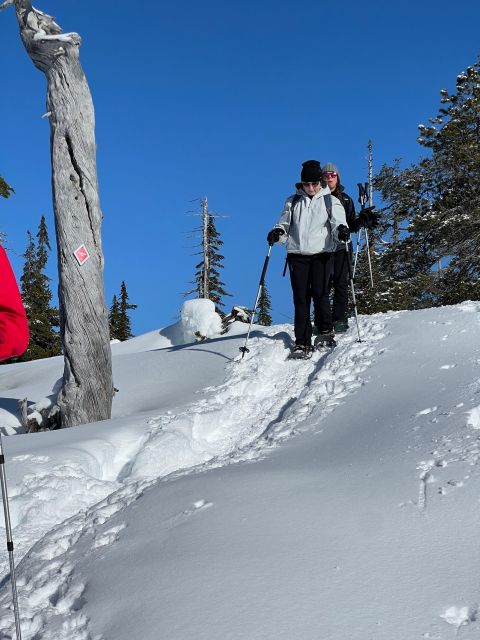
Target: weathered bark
{"type": "Point", "coordinates": [22, 409]}
{"type": "Point", "coordinates": [87, 391]}
{"type": "Point", "coordinates": [206, 251]}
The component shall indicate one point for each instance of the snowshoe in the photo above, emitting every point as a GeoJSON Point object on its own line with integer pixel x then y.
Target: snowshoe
{"type": "Point", "coordinates": [325, 339]}
{"type": "Point", "coordinates": [300, 352]}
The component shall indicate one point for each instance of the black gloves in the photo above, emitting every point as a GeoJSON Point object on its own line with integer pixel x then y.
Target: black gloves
{"type": "Point", "coordinates": [343, 233]}
{"type": "Point", "coordinates": [274, 235]}
{"type": "Point", "coordinates": [368, 218]}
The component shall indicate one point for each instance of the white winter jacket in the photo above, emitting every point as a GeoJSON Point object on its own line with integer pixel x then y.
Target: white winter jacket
{"type": "Point", "coordinates": [309, 230]}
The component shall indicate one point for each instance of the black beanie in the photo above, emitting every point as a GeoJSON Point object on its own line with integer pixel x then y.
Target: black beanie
{"type": "Point", "coordinates": [311, 171]}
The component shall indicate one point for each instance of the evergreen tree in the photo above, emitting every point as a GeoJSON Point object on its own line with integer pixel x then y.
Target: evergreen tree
{"type": "Point", "coordinates": [216, 286]}
{"type": "Point", "coordinates": [431, 251]}
{"type": "Point", "coordinates": [118, 317]}
{"type": "Point", "coordinates": [113, 319]}
{"type": "Point", "coordinates": [124, 324]}
{"type": "Point", "coordinates": [5, 192]}
{"type": "Point", "coordinates": [264, 307]}
{"type": "Point", "coordinates": [453, 184]}
{"type": "Point", "coordinates": [43, 319]}
{"type": "Point", "coordinates": [5, 189]}
{"type": "Point", "coordinates": [207, 277]}
{"type": "Point", "coordinates": [396, 281]}
{"type": "Point", "coordinates": [28, 278]}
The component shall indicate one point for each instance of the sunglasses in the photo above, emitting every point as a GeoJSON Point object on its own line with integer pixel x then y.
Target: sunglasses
{"type": "Point", "coordinates": [310, 184]}
{"type": "Point", "coordinates": [330, 174]}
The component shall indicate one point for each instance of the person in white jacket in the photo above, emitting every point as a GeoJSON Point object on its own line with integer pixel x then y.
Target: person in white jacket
{"type": "Point", "coordinates": [311, 224]}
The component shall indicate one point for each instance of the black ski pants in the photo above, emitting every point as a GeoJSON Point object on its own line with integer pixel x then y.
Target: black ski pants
{"type": "Point", "coordinates": [340, 283]}
{"type": "Point", "coordinates": [310, 278]}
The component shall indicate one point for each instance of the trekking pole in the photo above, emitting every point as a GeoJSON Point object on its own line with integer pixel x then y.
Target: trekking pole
{"type": "Point", "coordinates": [367, 242]}
{"type": "Point", "coordinates": [244, 349]}
{"type": "Point", "coordinates": [362, 199]}
{"type": "Point", "coordinates": [8, 529]}
{"type": "Point", "coordinates": [357, 249]}
{"type": "Point", "coordinates": [350, 276]}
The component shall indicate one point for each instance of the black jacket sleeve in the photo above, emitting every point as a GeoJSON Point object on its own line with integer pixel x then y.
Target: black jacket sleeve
{"type": "Point", "coordinates": [352, 220]}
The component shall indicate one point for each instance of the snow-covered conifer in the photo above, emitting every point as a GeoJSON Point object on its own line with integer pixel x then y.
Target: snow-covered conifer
{"type": "Point", "coordinates": [430, 248]}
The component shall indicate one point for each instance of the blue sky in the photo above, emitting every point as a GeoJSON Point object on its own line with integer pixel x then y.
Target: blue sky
{"type": "Point", "coordinates": [223, 100]}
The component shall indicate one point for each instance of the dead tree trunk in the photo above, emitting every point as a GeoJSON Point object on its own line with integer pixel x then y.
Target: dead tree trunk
{"type": "Point", "coordinates": [206, 251]}
{"type": "Point", "coordinates": [87, 391]}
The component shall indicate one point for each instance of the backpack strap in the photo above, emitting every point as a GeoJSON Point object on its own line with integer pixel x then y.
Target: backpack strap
{"type": "Point", "coordinates": [327, 198]}
{"type": "Point", "coordinates": [296, 198]}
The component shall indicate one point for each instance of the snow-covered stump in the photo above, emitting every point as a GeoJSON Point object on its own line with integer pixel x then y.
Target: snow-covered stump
{"type": "Point", "coordinates": [87, 391]}
{"type": "Point", "coordinates": [199, 320]}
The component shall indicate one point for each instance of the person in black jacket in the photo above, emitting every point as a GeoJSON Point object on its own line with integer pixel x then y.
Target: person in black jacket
{"type": "Point", "coordinates": [367, 218]}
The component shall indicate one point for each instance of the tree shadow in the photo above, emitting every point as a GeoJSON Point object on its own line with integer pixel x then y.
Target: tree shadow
{"type": "Point", "coordinates": [193, 347]}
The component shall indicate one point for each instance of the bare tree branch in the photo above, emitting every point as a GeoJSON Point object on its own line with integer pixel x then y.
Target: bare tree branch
{"type": "Point", "coordinates": [6, 4]}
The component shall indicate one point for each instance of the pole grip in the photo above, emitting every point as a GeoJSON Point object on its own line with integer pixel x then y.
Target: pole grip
{"type": "Point", "coordinates": [264, 270]}
{"type": "Point", "coordinates": [362, 195]}
{"type": "Point", "coordinates": [348, 259]}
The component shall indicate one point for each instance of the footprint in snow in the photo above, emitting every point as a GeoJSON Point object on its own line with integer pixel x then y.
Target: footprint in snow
{"type": "Point", "coordinates": [197, 506]}
{"type": "Point", "coordinates": [425, 412]}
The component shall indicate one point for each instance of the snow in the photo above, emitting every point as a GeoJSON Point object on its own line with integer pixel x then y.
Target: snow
{"type": "Point", "coordinates": [474, 418]}
{"type": "Point", "coordinates": [259, 498]}
{"type": "Point", "coordinates": [199, 320]}
{"type": "Point", "coordinates": [459, 616]}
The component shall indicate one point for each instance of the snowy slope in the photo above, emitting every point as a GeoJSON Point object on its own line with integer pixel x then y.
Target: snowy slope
{"type": "Point", "coordinates": [193, 513]}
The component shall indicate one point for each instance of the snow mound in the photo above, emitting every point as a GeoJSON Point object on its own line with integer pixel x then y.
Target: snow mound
{"type": "Point", "coordinates": [459, 616]}
{"type": "Point", "coordinates": [200, 320]}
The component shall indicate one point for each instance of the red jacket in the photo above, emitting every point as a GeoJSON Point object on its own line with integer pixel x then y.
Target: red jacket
{"type": "Point", "coordinates": [14, 334]}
